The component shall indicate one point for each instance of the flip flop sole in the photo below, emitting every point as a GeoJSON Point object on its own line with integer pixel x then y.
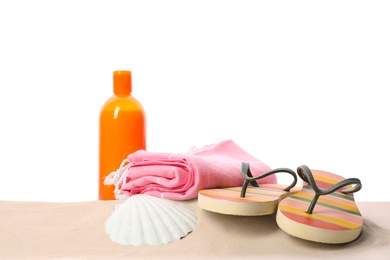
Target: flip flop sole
{"type": "Point", "coordinates": [258, 201]}
{"type": "Point", "coordinates": [335, 219]}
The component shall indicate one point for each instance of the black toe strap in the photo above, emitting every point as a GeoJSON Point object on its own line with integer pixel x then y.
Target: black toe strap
{"type": "Point", "coordinates": [247, 175]}
{"type": "Point", "coordinates": [306, 175]}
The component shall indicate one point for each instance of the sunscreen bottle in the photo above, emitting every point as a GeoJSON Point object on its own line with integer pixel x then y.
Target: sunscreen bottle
{"type": "Point", "coordinates": [122, 130]}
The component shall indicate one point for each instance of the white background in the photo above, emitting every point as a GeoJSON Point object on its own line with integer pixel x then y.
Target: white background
{"type": "Point", "coordinates": [291, 82]}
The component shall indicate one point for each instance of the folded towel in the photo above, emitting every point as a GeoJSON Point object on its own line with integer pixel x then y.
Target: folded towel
{"type": "Point", "coordinates": [179, 176]}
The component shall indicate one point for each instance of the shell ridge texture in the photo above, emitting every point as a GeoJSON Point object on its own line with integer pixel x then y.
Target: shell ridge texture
{"type": "Point", "coordinates": [144, 219]}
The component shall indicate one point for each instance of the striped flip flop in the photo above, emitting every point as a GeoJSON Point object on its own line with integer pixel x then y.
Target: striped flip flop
{"type": "Point", "coordinates": [247, 201]}
{"type": "Point", "coordinates": [324, 210]}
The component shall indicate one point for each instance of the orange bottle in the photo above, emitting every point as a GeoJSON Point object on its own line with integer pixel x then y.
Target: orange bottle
{"type": "Point", "coordinates": [122, 130]}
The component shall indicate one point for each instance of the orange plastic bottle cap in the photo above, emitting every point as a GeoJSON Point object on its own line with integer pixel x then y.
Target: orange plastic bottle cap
{"type": "Point", "coordinates": [122, 82]}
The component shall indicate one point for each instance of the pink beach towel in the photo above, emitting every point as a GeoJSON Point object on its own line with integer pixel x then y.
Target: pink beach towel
{"type": "Point", "coordinates": [179, 176]}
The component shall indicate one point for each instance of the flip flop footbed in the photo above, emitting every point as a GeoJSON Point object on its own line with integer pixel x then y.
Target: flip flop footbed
{"type": "Point", "coordinates": [335, 218]}
{"type": "Point", "coordinates": [257, 201]}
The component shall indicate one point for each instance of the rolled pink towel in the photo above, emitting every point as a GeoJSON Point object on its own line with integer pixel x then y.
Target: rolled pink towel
{"type": "Point", "coordinates": [179, 176]}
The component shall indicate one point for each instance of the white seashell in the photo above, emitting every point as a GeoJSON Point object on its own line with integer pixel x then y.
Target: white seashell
{"type": "Point", "coordinates": [144, 219]}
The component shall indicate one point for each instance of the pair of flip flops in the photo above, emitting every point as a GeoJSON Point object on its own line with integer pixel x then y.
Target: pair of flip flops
{"type": "Point", "coordinates": [322, 210]}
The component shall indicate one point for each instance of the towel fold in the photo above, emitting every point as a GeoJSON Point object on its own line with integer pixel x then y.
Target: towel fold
{"type": "Point", "coordinates": [179, 176]}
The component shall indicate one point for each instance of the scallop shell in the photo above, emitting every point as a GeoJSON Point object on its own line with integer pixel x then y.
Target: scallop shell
{"type": "Point", "coordinates": [144, 219]}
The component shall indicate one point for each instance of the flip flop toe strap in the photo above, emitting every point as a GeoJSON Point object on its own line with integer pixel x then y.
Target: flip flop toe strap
{"type": "Point", "coordinates": [306, 175]}
{"type": "Point", "coordinates": [247, 175]}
